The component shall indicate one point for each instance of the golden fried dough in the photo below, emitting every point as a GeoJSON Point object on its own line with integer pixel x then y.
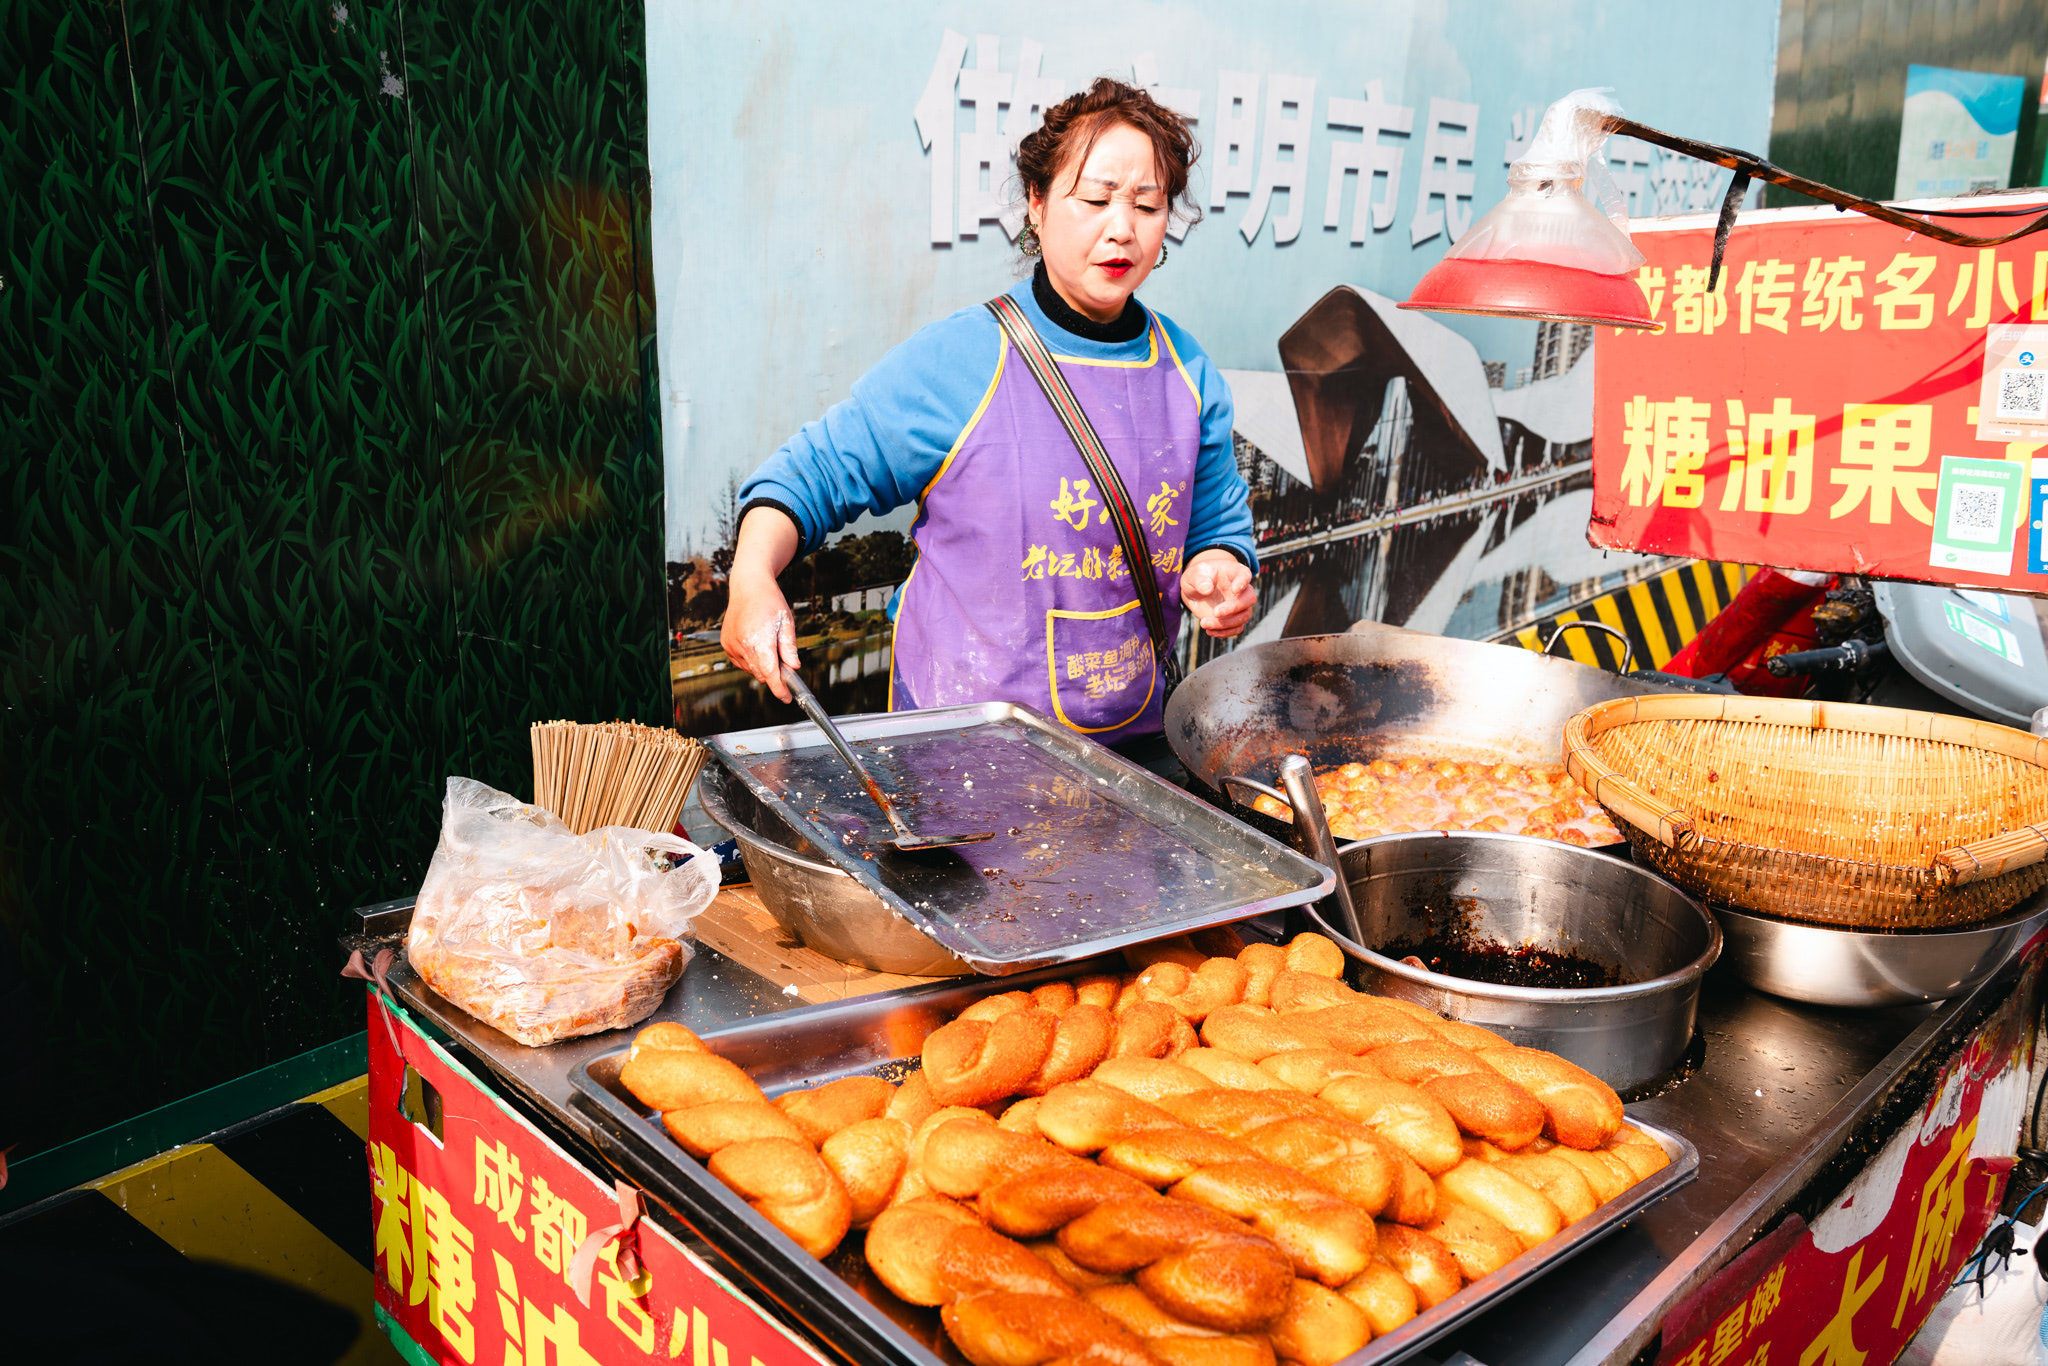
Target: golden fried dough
{"type": "Point", "coordinates": [913, 1102]}
{"type": "Point", "coordinates": [1261, 964]}
{"type": "Point", "coordinates": [1319, 1327]}
{"type": "Point", "coordinates": [1520, 1208]}
{"type": "Point", "coordinates": [1607, 1174]}
{"type": "Point", "coordinates": [1401, 1114]}
{"type": "Point", "coordinates": [1293, 991]}
{"type": "Point", "coordinates": [1256, 1032]}
{"type": "Point", "coordinates": [1213, 984]}
{"type": "Point", "coordinates": [961, 1159]}
{"type": "Point", "coordinates": [1581, 1111]}
{"type": "Point", "coordinates": [975, 1062]}
{"type": "Point", "coordinates": [1069, 1270]}
{"type": "Point", "coordinates": [903, 1247]}
{"type": "Point", "coordinates": [1081, 1040]}
{"type": "Point", "coordinates": [670, 1036]}
{"type": "Point", "coordinates": [977, 1261]}
{"type": "Point", "coordinates": [790, 1186]}
{"type": "Point", "coordinates": [1644, 1156]}
{"type": "Point", "coordinates": [1146, 1029]}
{"type": "Point", "coordinates": [824, 1110]}
{"type": "Point", "coordinates": [1010, 1329]}
{"type": "Point", "coordinates": [1562, 1183]}
{"type": "Point", "coordinates": [1329, 1239]}
{"type": "Point", "coordinates": [704, 1129]}
{"type": "Point", "coordinates": [1231, 1071]}
{"type": "Point", "coordinates": [1386, 1299]}
{"type": "Point", "coordinates": [1423, 1262]}
{"type": "Point", "coordinates": [1150, 1079]}
{"type": "Point", "coordinates": [671, 1079]}
{"type": "Point", "coordinates": [869, 1159]}
{"type": "Point", "coordinates": [1161, 1157]}
{"type": "Point", "coordinates": [1480, 1243]}
{"type": "Point", "coordinates": [1057, 997]}
{"type": "Point", "coordinates": [1315, 953]}
{"type": "Point", "coordinates": [1490, 1106]}
{"type": "Point", "coordinates": [1084, 1116]}
{"type": "Point", "coordinates": [1311, 1069]}
{"type": "Point", "coordinates": [1046, 1201]}
{"type": "Point", "coordinates": [1196, 1264]}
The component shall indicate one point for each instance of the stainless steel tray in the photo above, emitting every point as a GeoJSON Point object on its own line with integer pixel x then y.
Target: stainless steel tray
{"type": "Point", "coordinates": [1091, 852]}
{"type": "Point", "coordinates": [883, 1035]}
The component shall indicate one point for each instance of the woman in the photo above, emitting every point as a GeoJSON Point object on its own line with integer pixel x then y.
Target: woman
{"type": "Point", "coordinates": [1021, 591]}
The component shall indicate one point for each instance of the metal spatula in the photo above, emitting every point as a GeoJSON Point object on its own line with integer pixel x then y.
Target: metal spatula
{"type": "Point", "coordinates": [907, 840]}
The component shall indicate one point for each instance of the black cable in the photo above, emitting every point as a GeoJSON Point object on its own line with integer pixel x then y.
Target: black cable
{"type": "Point", "coordinates": [1975, 213]}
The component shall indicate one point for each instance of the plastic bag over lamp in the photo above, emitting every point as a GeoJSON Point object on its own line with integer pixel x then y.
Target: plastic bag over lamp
{"type": "Point", "coordinates": [1546, 251]}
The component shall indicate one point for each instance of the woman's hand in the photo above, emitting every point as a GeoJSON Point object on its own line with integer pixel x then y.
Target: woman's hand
{"type": "Point", "coordinates": [1217, 587]}
{"type": "Point", "coordinates": [759, 631]}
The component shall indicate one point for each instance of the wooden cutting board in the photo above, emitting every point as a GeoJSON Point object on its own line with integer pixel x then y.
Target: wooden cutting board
{"type": "Point", "coordinates": [740, 927]}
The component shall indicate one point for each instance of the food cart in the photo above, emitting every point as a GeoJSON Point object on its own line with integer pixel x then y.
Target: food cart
{"type": "Point", "coordinates": [1841, 1162]}
{"type": "Point", "coordinates": [490, 1169]}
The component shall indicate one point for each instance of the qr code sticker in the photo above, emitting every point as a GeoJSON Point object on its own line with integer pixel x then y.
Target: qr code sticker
{"type": "Point", "coordinates": [2023, 393]}
{"type": "Point", "coordinates": [1974, 512]}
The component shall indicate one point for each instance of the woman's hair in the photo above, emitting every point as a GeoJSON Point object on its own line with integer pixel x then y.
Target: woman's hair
{"type": "Point", "coordinates": [1072, 125]}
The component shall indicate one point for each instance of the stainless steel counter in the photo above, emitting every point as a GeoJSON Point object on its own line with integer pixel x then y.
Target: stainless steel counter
{"type": "Point", "coordinates": [1777, 1090]}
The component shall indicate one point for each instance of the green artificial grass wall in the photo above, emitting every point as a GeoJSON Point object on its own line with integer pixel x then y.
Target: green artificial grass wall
{"type": "Point", "coordinates": [326, 338]}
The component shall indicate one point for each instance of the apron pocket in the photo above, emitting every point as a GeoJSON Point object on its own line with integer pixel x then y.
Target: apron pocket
{"type": "Point", "coordinates": [1100, 666]}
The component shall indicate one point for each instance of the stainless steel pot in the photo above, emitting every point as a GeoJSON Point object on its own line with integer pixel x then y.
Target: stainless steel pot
{"type": "Point", "coordinates": [1836, 967]}
{"type": "Point", "coordinates": [810, 898]}
{"type": "Point", "coordinates": [1353, 697]}
{"type": "Point", "coordinates": [1520, 891]}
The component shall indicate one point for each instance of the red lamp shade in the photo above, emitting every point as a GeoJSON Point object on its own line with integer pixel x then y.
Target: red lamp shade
{"type": "Point", "coordinates": [1532, 289]}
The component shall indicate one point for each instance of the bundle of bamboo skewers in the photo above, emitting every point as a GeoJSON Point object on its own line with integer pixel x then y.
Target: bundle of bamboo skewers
{"type": "Point", "coordinates": [613, 773]}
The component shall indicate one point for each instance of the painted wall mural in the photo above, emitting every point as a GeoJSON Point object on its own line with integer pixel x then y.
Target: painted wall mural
{"type": "Point", "coordinates": [828, 180]}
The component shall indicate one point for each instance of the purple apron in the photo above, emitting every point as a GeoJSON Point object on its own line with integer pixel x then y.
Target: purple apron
{"type": "Point", "coordinates": [1020, 592]}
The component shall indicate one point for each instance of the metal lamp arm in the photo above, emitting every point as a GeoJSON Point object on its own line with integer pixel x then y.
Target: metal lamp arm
{"type": "Point", "coordinates": [1748, 167]}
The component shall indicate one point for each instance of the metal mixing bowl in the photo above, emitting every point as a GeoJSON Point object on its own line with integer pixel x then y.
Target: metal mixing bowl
{"type": "Point", "coordinates": [810, 898]}
{"type": "Point", "coordinates": [1518, 891]}
{"type": "Point", "coordinates": [1836, 967]}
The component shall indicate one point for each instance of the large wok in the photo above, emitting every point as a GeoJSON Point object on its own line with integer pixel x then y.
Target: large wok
{"type": "Point", "coordinates": [1360, 695]}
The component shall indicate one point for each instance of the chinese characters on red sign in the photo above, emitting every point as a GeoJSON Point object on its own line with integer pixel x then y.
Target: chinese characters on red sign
{"type": "Point", "coordinates": [1856, 1285]}
{"type": "Point", "coordinates": [476, 1229]}
{"type": "Point", "coordinates": [1820, 407]}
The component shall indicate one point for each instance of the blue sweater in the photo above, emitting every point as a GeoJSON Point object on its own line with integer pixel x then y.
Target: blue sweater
{"type": "Point", "coordinates": [875, 450]}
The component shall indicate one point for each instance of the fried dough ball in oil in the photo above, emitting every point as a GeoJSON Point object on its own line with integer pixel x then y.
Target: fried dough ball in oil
{"type": "Point", "coordinates": [1394, 796]}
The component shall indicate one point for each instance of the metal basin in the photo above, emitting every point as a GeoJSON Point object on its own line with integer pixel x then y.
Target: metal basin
{"type": "Point", "coordinates": [810, 898]}
{"type": "Point", "coordinates": [1520, 891]}
{"type": "Point", "coordinates": [1363, 694]}
{"type": "Point", "coordinates": [1836, 967]}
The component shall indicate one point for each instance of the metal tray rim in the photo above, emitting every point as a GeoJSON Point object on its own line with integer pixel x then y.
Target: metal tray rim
{"type": "Point", "coordinates": [1284, 863]}
{"type": "Point", "coordinates": [643, 1135]}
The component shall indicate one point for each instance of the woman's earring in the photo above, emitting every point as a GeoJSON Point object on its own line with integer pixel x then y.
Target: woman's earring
{"type": "Point", "coordinates": [1162, 255]}
{"type": "Point", "coordinates": [1027, 240]}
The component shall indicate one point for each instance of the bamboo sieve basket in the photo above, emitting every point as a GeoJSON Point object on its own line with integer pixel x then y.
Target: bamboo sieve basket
{"type": "Point", "coordinates": [1872, 817]}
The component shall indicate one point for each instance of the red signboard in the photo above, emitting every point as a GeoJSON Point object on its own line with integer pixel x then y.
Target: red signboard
{"type": "Point", "coordinates": [476, 1229]}
{"type": "Point", "coordinates": [1828, 405]}
{"type": "Point", "coordinates": [1858, 1283]}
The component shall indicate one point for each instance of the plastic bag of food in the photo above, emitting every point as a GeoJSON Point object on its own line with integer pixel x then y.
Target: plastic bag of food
{"type": "Point", "coordinates": [545, 934]}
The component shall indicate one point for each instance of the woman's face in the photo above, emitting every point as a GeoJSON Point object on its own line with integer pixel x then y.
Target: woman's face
{"type": "Point", "coordinates": [1101, 224]}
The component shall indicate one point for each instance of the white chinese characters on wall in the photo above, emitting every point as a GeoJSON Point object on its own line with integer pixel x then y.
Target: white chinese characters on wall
{"type": "Point", "coordinates": [1261, 139]}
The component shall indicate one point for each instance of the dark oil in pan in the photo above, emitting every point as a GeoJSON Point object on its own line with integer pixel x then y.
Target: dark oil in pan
{"type": "Point", "coordinates": [1480, 960]}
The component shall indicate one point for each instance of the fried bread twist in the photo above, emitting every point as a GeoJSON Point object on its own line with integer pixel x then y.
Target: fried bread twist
{"type": "Point", "coordinates": [714, 1109]}
{"type": "Point", "coordinates": [1250, 1117]}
